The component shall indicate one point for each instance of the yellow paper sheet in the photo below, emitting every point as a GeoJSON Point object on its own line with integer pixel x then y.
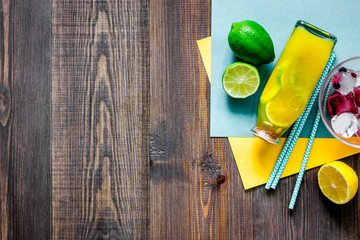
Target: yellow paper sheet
{"type": "Point", "coordinates": [256, 158]}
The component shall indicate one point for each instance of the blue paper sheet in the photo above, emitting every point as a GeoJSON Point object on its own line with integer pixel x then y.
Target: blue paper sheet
{"type": "Point", "coordinates": [235, 117]}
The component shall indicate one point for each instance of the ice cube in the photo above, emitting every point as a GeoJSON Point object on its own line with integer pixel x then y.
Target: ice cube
{"type": "Point", "coordinates": [344, 81]}
{"type": "Point", "coordinates": [339, 104]}
{"type": "Point", "coordinates": [345, 124]}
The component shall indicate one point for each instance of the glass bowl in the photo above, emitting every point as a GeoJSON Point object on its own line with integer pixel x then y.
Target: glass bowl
{"type": "Point", "coordinates": [326, 90]}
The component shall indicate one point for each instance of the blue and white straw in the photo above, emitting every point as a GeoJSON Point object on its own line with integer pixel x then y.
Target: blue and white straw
{"type": "Point", "coordinates": [283, 152]}
{"type": "Point", "coordinates": [307, 152]}
{"type": "Point", "coordinates": [304, 162]}
{"type": "Point", "coordinates": [296, 130]}
{"type": "Point", "coordinates": [297, 133]}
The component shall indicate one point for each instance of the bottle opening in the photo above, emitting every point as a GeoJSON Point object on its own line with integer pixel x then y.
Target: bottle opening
{"type": "Point", "coordinates": [266, 135]}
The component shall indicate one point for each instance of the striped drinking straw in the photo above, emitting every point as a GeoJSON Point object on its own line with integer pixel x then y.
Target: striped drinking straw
{"type": "Point", "coordinates": [296, 130]}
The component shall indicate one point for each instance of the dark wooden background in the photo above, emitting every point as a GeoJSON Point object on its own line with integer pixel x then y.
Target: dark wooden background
{"type": "Point", "coordinates": [104, 132]}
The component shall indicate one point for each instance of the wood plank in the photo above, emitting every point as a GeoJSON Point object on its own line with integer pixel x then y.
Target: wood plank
{"type": "Point", "coordinates": [195, 189]}
{"type": "Point", "coordinates": [314, 216]}
{"type": "Point", "coordinates": [25, 70]}
{"type": "Point", "coordinates": [100, 92]}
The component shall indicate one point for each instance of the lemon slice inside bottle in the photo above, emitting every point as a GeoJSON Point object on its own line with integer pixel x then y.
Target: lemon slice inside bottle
{"type": "Point", "coordinates": [274, 84]}
{"type": "Point", "coordinates": [284, 109]}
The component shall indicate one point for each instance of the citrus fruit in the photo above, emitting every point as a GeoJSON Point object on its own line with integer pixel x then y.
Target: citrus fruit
{"type": "Point", "coordinates": [273, 86]}
{"type": "Point", "coordinates": [338, 182]}
{"type": "Point", "coordinates": [240, 80]}
{"type": "Point", "coordinates": [283, 109]}
{"type": "Point", "coordinates": [251, 43]}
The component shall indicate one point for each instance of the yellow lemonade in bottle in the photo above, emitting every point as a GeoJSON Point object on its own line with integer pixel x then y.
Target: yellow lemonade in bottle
{"type": "Point", "coordinates": [292, 81]}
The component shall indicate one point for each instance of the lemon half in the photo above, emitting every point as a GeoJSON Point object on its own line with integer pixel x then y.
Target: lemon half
{"type": "Point", "coordinates": [338, 182]}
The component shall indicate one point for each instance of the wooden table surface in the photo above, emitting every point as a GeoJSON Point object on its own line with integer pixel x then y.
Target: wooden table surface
{"type": "Point", "coordinates": [104, 132]}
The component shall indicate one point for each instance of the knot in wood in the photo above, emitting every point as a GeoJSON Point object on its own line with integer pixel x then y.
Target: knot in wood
{"type": "Point", "coordinates": [4, 105]}
{"type": "Point", "coordinates": [220, 179]}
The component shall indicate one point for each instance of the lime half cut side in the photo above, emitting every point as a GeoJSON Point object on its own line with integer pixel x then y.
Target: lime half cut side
{"type": "Point", "coordinates": [240, 80]}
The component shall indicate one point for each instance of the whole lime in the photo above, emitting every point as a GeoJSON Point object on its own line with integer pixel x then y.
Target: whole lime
{"type": "Point", "coordinates": [251, 42]}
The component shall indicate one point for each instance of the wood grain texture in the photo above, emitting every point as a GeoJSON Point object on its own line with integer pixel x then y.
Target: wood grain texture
{"type": "Point", "coordinates": [25, 55]}
{"type": "Point", "coordinates": [314, 216]}
{"type": "Point", "coordinates": [100, 95]}
{"type": "Point", "coordinates": [195, 190]}
{"type": "Point", "coordinates": [186, 199]}
{"type": "Point", "coordinates": [104, 132]}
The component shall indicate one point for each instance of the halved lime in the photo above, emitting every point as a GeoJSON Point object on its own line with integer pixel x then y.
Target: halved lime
{"type": "Point", "coordinates": [240, 80]}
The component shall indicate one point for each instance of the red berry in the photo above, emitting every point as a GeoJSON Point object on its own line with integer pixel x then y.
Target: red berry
{"type": "Point", "coordinates": [336, 80]}
{"type": "Point", "coordinates": [342, 69]}
{"type": "Point", "coordinates": [353, 75]}
{"type": "Point", "coordinates": [336, 85]}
